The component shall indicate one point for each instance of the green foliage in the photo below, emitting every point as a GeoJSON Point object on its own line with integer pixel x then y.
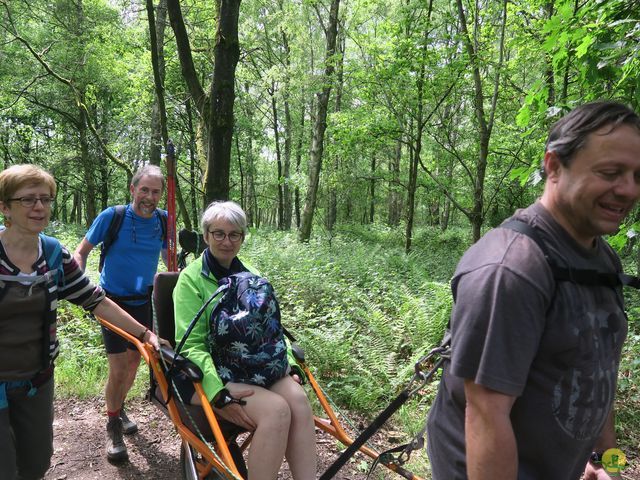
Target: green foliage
{"type": "Point", "coordinates": [362, 309]}
{"type": "Point", "coordinates": [628, 395]}
{"type": "Point", "coordinates": [81, 368]}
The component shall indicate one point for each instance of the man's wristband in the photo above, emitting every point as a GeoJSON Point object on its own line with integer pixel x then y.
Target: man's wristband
{"type": "Point", "coordinates": [596, 458]}
{"type": "Point", "coordinates": [141, 336]}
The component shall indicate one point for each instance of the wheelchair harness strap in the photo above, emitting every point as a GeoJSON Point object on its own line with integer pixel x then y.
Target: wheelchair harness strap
{"type": "Point", "coordinates": [568, 274]}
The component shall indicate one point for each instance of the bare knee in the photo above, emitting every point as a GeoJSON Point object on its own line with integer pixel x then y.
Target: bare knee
{"type": "Point", "coordinates": [278, 414]}
{"type": "Point", "coordinates": [299, 404]}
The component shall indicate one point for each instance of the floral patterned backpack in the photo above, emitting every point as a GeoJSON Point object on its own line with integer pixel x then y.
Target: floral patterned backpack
{"type": "Point", "coordinates": [246, 339]}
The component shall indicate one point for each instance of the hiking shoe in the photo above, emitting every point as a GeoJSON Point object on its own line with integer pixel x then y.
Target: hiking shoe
{"type": "Point", "coordinates": [129, 427]}
{"type": "Point", "coordinates": [116, 449]}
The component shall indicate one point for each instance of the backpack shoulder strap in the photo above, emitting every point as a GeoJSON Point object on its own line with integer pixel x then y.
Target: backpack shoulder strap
{"type": "Point", "coordinates": [163, 222]}
{"type": "Point", "coordinates": [531, 232]}
{"type": "Point", "coordinates": [52, 251]}
{"type": "Point", "coordinates": [582, 276]}
{"type": "Point", "coordinates": [114, 226]}
{"type": "Point", "coordinates": [53, 255]}
{"type": "Point", "coordinates": [112, 232]}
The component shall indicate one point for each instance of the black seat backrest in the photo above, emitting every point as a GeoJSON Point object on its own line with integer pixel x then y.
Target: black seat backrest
{"type": "Point", "coordinates": [191, 242]}
{"type": "Point", "coordinates": [163, 285]}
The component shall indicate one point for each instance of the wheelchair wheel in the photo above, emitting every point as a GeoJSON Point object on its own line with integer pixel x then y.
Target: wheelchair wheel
{"type": "Point", "coordinates": [188, 459]}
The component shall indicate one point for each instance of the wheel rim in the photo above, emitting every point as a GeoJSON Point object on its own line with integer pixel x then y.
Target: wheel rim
{"type": "Point", "coordinates": [189, 471]}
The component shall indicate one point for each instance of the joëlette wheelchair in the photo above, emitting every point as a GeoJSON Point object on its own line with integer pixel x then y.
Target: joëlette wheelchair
{"type": "Point", "coordinates": [210, 446]}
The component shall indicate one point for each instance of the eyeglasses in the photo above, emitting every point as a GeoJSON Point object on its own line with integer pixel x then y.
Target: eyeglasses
{"type": "Point", "coordinates": [30, 202]}
{"type": "Point", "coordinates": [219, 236]}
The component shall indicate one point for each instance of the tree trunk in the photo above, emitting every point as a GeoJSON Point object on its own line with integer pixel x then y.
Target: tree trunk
{"type": "Point", "coordinates": [288, 132]}
{"type": "Point", "coordinates": [320, 126]}
{"type": "Point", "coordinates": [416, 151]}
{"type": "Point", "coordinates": [87, 166]}
{"type": "Point", "coordinates": [395, 197]}
{"type": "Point", "coordinates": [222, 97]}
{"type": "Point", "coordinates": [298, 162]}
{"type": "Point", "coordinates": [182, 207]}
{"type": "Point", "coordinates": [484, 125]}
{"type": "Point", "coordinates": [76, 210]}
{"type": "Point", "coordinates": [413, 180]}
{"type": "Point", "coordinates": [276, 137]}
{"type": "Point", "coordinates": [372, 190]}
{"type": "Point", "coordinates": [332, 214]}
{"type": "Point", "coordinates": [193, 163]}
{"type": "Point", "coordinates": [446, 210]}
{"type": "Point", "coordinates": [155, 149]}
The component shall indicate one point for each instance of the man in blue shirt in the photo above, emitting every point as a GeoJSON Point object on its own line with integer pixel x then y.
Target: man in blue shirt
{"type": "Point", "coordinates": [127, 276]}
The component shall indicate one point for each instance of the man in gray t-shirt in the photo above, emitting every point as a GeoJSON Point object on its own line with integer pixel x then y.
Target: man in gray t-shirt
{"type": "Point", "coordinates": [529, 390]}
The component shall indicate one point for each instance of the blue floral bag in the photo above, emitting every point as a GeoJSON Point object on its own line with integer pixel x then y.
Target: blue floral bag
{"type": "Point", "coordinates": [246, 339]}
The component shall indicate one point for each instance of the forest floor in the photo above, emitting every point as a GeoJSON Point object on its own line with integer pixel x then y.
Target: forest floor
{"type": "Point", "coordinates": [154, 452]}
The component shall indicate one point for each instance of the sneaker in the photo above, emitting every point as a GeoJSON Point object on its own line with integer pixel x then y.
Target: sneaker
{"type": "Point", "coordinates": [116, 449]}
{"type": "Point", "coordinates": [129, 427]}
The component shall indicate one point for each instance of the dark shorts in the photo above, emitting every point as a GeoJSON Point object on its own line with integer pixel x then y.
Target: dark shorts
{"type": "Point", "coordinates": [113, 342]}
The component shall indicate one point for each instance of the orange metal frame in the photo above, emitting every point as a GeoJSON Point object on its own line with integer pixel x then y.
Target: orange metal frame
{"type": "Point", "coordinates": [330, 425]}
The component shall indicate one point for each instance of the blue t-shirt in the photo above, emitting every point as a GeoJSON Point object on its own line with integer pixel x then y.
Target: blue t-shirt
{"type": "Point", "coordinates": [132, 259]}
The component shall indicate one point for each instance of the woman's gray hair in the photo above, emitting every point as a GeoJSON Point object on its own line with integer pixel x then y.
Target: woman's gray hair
{"type": "Point", "coordinates": [571, 132]}
{"type": "Point", "coordinates": [227, 210]}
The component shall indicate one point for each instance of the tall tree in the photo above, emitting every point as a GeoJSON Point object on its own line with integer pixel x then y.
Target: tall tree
{"type": "Point", "coordinates": [158, 113]}
{"type": "Point", "coordinates": [216, 107]}
{"type": "Point", "coordinates": [320, 124]}
{"type": "Point", "coordinates": [78, 108]}
{"type": "Point", "coordinates": [484, 120]}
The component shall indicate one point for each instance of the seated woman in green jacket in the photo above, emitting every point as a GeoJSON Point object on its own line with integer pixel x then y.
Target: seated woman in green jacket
{"type": "Point", "coordinates": [279, 416]}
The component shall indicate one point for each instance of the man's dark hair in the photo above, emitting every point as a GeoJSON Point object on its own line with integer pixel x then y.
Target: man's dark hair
{"type": "Point", "coordinates": [571, 132]}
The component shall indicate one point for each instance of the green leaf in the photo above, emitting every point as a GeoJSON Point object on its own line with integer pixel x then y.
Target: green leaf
{"type": "Point", "coordinates": [583, 48]}
{"type": "Point", "coordinates": [523, 117]}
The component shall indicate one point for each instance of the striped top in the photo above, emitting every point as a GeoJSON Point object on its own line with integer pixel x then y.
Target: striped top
{"type": "Point", "coordinates": [74, 286]}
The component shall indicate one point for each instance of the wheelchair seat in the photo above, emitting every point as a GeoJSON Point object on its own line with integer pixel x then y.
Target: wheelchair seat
{"type": "Point", "coordinates": [192, 416]}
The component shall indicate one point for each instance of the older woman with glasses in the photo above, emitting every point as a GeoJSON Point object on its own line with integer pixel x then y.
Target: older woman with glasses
{"type": "Point", "coordinates": [279, 415]}
{"type": "Point", "coordinates": [35, 272]}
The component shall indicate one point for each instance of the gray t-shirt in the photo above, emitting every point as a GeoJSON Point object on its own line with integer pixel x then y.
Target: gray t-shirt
{"type": "Point", "coordinates": [554, 346]}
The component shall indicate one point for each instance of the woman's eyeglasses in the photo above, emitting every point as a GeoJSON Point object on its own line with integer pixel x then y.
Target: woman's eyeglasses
{"type": "Point", "coordinates": [30, 202]}
{"type": "Point", "coordinates": [219, 236]}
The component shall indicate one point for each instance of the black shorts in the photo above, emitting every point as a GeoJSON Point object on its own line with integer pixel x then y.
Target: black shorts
{"type": "Point", "coordinates": [113, 342]}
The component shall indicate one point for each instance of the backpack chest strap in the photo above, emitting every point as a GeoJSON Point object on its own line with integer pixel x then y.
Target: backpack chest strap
{"type": "Point", "coordinates": [32, 280]}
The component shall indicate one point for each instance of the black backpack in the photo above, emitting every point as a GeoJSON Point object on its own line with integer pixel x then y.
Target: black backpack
{"type": "Point", "coordinates": [114, 228]}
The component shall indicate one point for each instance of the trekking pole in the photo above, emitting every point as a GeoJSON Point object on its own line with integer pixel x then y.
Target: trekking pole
{"type": "Point", "coordinates": [172, 262]}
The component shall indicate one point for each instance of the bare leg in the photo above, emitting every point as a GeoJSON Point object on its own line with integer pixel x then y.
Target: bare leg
{"type": "Point", "coordinates": [301, 445]}
{"type": "Point", "coordinates": [122, 372]}
{"type": "Point", "coordinates": [270, 412]}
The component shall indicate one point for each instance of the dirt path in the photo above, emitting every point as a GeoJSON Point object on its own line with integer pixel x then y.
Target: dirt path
{"type": "Point", "coordinates": [154, 453]}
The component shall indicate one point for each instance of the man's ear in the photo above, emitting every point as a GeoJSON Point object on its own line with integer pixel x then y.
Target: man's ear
{"type": "Point", "coordinates": [552, 165]}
